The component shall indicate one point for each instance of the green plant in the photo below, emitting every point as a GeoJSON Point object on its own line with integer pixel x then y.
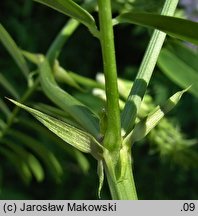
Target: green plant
{"type": "Point", "coordinates": [109, 135]}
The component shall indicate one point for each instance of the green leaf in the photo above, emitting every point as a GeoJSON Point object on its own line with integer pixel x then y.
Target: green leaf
{"type": "Point", "coordinates": [145, 72]}
{"type": "Point", "coordinates": [144, 126]}
{"type": "Point", "coordinates": [19, 164]}
{"type": "Point", "coordinates": [179, 71]}
{"type": "Point", "coordinates": [46, 156]}
{"type": "Point", "coordinates": [75, 137]}
{"type": "Point", "coordinates": [81, 113]}
{"type": "Point", "coordinates": [62, 37]}
{"type": "Point", "coordinates": [4, 108]}
{"type": "Point", "coordinates": [78, 111]}
{"type": "Point", "coordinates": [2, 124]}
{"type": "Point", "coordinates": [180, 28]}
{"type": "Point", "coordinates": [14, 51]}
{"type": "Point", "coordinates": [74, 153]}
{"type": "Point", "coordinates": [83, 162]}
{"type": "Point", "coordinates": [57, 113]}
{"type": "Point", "coordinates": [70, 8]}
{"type": "Point", "coordinates": [6, 84]}
{"type": "Point", "coordinates": [32, 57]}
{"type": "Point", "coordinates": [63, 76]}
{"type": "Point", "coordinates": [86, 82]}
{"type": "Point", "coordinates": [183, 52]}
{"type": "Point", "coordinates": [32, 162]}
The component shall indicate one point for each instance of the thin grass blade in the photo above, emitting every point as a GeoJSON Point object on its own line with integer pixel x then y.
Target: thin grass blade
{"type": "Point", "coordinates": [10, 88]}
{"type": "Point", "coordinates": [19, 164]}
{"type": "Point", "coordinates": [4, 108]}
{"type": "Point", "coordinates": [14, 51]}
{"type": "Point", "coordinates": [47, 157]}
{"type": "Point", "coordinates": [32, 162]}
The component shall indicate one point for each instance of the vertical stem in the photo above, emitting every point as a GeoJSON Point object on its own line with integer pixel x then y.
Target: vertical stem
{"type": "Point", "coordinates": [117, 159]}
{"type": "Point", "coordinates": [121, 184]}
{"type": "Point", "coordinates": [145, 71]}
{"type": "Point", "coordinates": [112, 140]}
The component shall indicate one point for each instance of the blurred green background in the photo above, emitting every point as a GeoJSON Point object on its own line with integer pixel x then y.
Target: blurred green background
{"type": "Point", "coordinates": [33, 27]}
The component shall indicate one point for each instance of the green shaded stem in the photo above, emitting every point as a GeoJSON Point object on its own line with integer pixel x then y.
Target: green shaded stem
{"type": "Point", "coordinates": [112, 138]}
{"type": "Point", "coordinates": [145, 71]}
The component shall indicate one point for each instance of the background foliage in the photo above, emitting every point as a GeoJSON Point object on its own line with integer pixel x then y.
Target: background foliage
{"type": "Point", "coordinates": [158, 175]}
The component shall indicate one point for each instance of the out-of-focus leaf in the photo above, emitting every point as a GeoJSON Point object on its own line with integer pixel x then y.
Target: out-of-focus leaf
{"type": "Point", "coordinates": [4, 108]}
{"type": "Point", "coordinates": [32, 162]}
{"type": "Point", "coordinates": [77, 138]}
{"type": "Point", "coordinates": [2, 124]}
{"type": "Point", "coordinates": [74, 153]}
{"type": "Point", "coordinates": [14, 51]}
{"type": "Point", "coordinates": [62, 37]}
{"type": "Point", "coordinates": [86, 82]}
{"type": "Point", "coordinates": [82, 161]}
{"type": "Point", "coordinates": [90, 100]}
{"type": "Point", "coordinates": [70, 8]}
{"type": "Point", "coordinates": [63, 76]}
{"type": "Point", "coordinates": [144, 126]}
{"type": "Point", "coordinates": [181, 72]}
{"type": "Point", "coordinates": [46, 156]}
{"type": "Point", "coordinates": [184, 52]}
{"type": "Point", "coordinates": [6, 84]}
{"type": "Point", "coordinates": [180, 28]}
{"type": "Point", "coordinates": [32, 57]}
{"type": "Point", "coordinates": [19, 164]}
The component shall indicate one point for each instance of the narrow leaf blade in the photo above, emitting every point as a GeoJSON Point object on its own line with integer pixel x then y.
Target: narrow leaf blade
{"type": "Point", "coordinates": [75, 137]}
{"type": "Point", "coordinates": [32, 162]}
{"type": "Point", "coordinates": [4, 108]}
{"type": "Point", "coordinates": [178, 71]}
{"type": "Point", "coordinates": [180, 28]}
{"type": "Point", "coordinates": [19, 164]}
{"type": "Point", "coordinates": [47, 157]}
{"type": "Point", "coordinates": [6, 84]}
{"type": "Point", "coordinates": [70, 8]}
{"type": "Point", "coordinates": [14, 51]}
{"type": "Point", "coordinates": [81, 113]}
{"type": "Point", "coordinates": [144, 126]}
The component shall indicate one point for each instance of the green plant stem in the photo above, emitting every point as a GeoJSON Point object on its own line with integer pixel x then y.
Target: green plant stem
{"type": "Point", "coordinates": [117, 158]}
{"type": "Point", "coordinates": [112, 139]}
{"type": "Point", "coordinates": [145, 72]}
{"type": "Point", "coordinates": [121, 183]}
